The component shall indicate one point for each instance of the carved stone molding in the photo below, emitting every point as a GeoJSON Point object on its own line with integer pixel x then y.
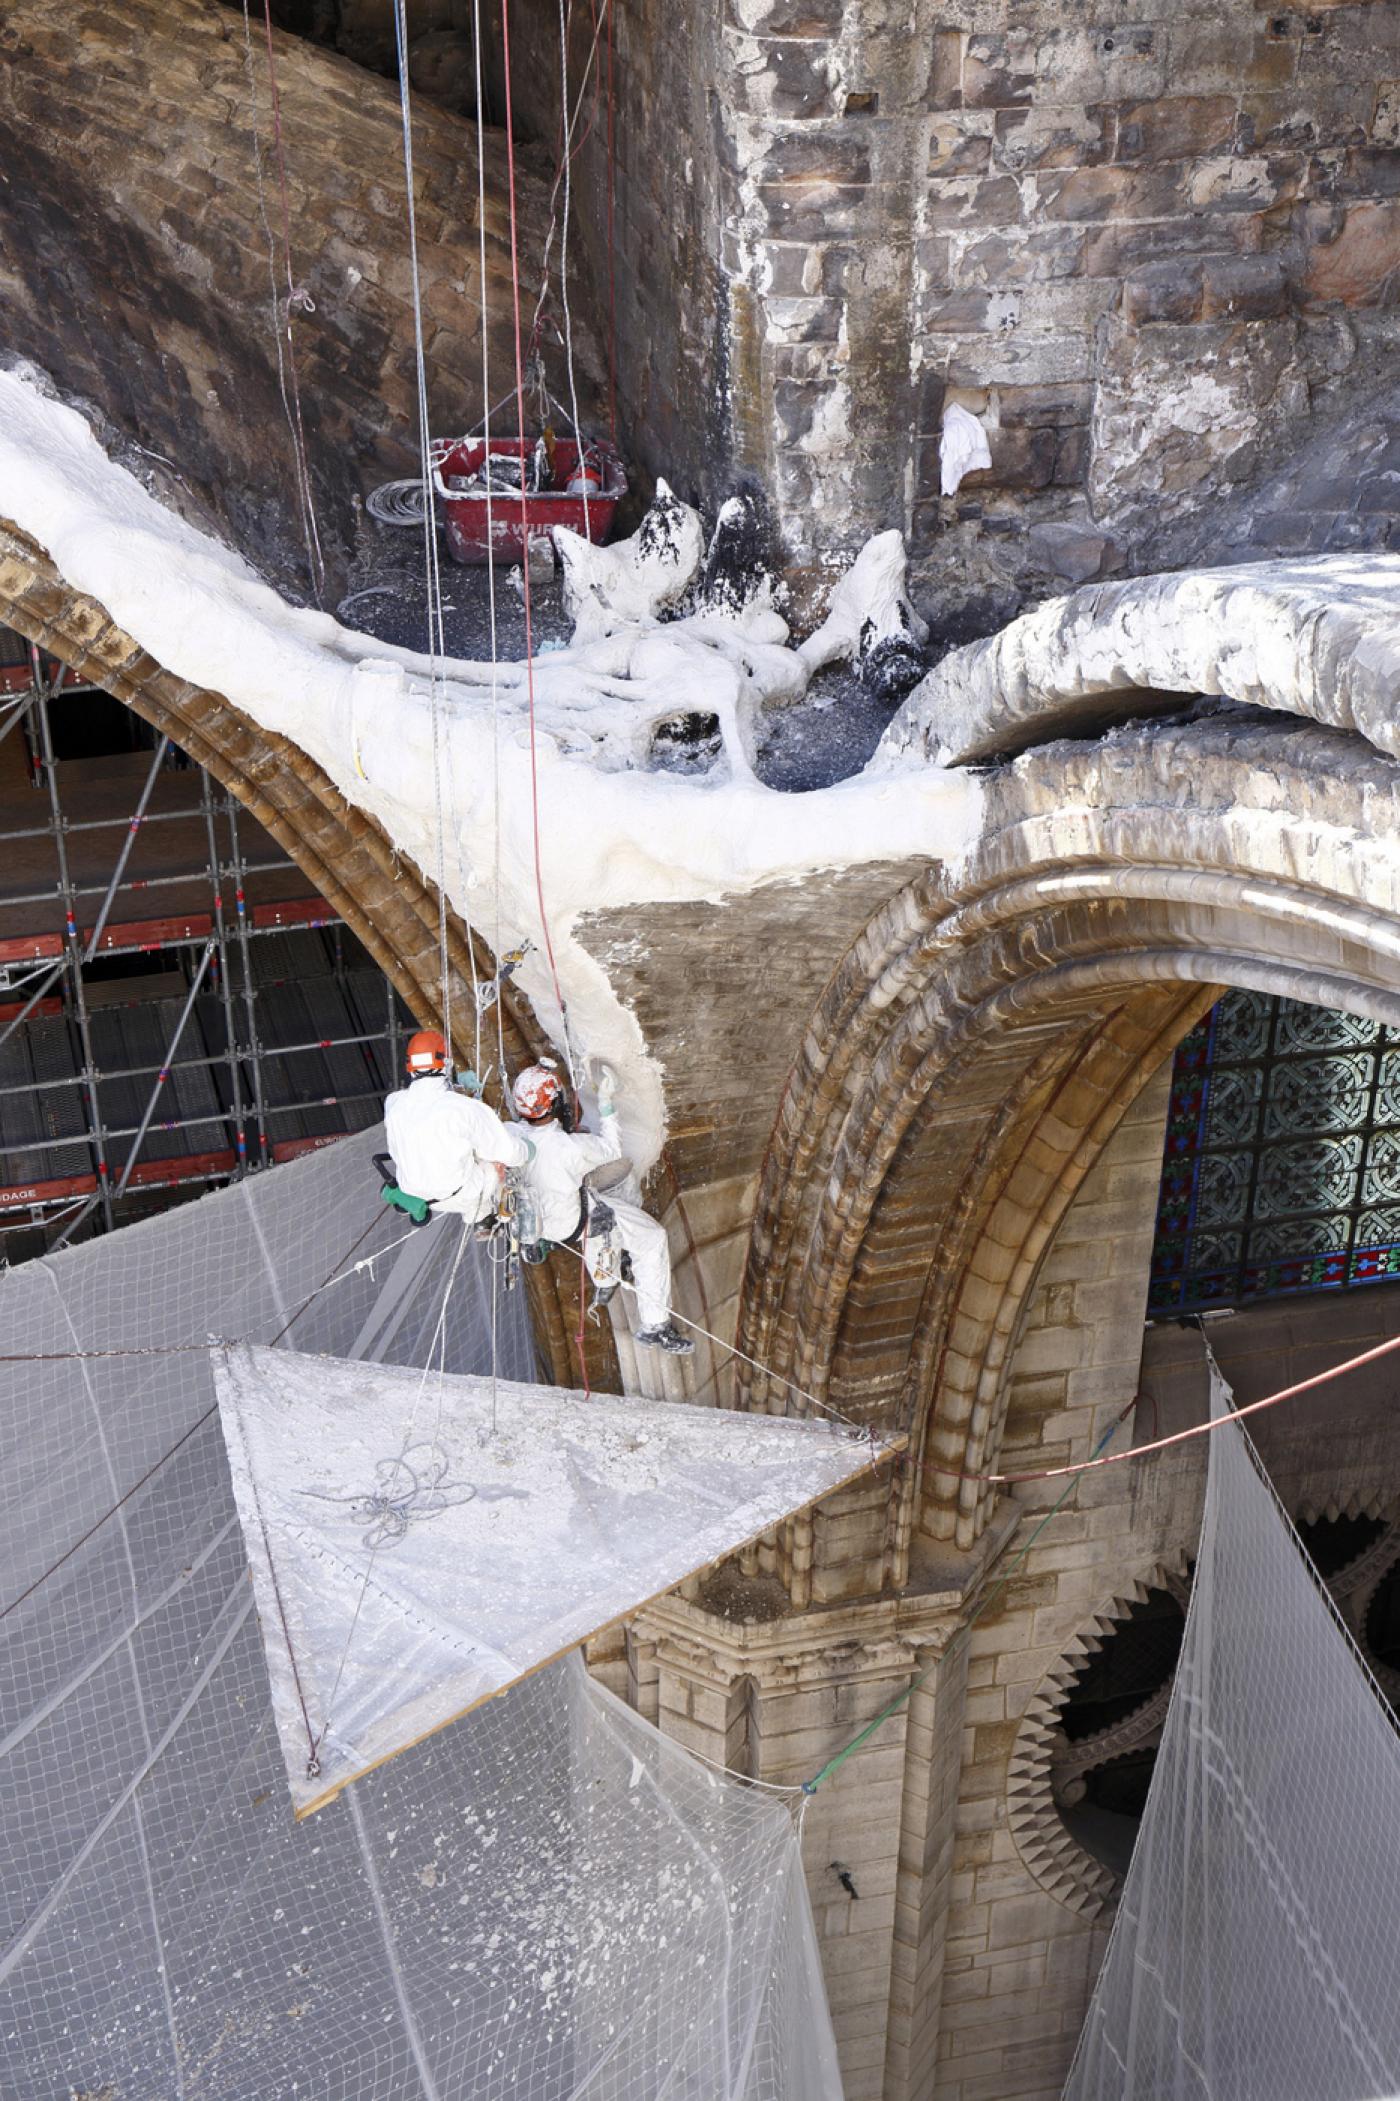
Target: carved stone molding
{"type": "Point", "coordinates": [1049, 1849]}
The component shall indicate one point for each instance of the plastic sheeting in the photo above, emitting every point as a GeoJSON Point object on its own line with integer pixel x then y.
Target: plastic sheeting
{"type": "Point", "coordinates": [546, 1901]}
{"type": "Point", "coordinates": [419, 1542]}
{"type": "Point", "coordinates": [1253, 1957]}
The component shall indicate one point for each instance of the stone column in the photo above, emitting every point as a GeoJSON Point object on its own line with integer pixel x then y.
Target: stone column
{"type": "Point", "coordinates": [775, 1698]}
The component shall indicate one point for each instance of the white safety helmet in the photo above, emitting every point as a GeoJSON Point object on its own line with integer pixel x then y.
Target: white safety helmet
{"type": "Point", "coordinates": [537, 1093]}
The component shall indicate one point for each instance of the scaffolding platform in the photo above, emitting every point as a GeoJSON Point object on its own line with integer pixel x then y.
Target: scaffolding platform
{"type": "Point", "coordinates": [175, 1009]}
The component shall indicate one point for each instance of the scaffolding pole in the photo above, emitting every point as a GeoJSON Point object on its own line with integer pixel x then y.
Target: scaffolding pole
{"type": "Point", "coordinates": [254, 1049]}
{"type": "Point", "coordinates": [235, 1075]}
{"type": "Point", "coordinates": [77, 994]}
{"type": "Point", "coordinates": [225, 935]}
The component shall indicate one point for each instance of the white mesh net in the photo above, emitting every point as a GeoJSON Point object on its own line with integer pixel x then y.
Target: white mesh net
{"type": "Point", "coordinates": [1253, 1957]}
{"type": "Point", "coordinates": [543, 1901]}
{"type": "Point", "coordinates": [421, 1541]}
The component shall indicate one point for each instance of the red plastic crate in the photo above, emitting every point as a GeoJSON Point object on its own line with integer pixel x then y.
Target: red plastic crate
{"type": "Point", "coordinates": [464, 512]}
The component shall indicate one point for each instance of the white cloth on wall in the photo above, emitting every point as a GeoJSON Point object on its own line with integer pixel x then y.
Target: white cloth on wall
{"type": "Point", "coordinates": [963, 450]}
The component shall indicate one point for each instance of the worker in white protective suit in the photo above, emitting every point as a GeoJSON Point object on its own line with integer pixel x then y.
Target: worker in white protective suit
{"type": "Point", "coordinates": [555, 1180]}
{"type": "Point", "coordinates": [450, 1151]}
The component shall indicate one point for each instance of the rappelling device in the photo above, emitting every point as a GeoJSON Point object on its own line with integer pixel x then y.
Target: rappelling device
{"type": "Point", "coordinates": [489, 990]}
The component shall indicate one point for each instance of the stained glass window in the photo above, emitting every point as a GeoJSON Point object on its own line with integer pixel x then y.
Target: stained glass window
{"type": "Point", "coordinates": [1282, 1165]}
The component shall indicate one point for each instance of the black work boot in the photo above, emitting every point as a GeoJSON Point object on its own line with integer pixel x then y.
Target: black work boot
{"type": "Point", "coordinates": [669, 1338]}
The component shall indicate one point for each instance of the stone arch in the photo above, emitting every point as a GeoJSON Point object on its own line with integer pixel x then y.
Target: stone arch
{"type": "Point", "coordinates": [388, 903]}
{"type": "Point", "coordinates": [985, 1033]}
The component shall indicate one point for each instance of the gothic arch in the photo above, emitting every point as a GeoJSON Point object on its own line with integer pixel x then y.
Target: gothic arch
{"type": "Point", "coordinates": [986, 1032]}
{"type": "Point", "coordinates": [346, 855]}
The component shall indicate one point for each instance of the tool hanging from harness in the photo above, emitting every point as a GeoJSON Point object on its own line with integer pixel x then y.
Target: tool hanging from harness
{"type": "Point", "coordinates": [517, 1225]}
{"type": "Point", "coordinates": [605, 1257]}
{"type": "Point", "coordinates": [414, 1208]}
{"type": "Point", "coordinates": [514, 1225]}
{"type": "Point", "coordinates": [595, 1238]}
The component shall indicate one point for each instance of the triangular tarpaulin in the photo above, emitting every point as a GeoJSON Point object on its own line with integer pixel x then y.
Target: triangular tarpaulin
{"type": "Point", "coordinates": [418, 1543]}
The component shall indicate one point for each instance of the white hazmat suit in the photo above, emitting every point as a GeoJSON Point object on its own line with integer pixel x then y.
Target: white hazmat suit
{"type": "Point", "coordinates": [448, 1148]}
{"type": "Point", "coordinates": [555, 1179]}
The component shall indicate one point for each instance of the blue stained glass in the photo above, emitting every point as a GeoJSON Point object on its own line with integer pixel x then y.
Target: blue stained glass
{"type": "Point", "coordinates": [1281, 1168]}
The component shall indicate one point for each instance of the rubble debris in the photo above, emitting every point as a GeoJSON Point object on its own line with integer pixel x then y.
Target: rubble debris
{"type": "Point", "coordinates": [871, 624]}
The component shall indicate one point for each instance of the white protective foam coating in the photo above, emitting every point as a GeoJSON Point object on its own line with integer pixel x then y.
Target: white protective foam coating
{"type": "Point", "coordinates": [611, 833]}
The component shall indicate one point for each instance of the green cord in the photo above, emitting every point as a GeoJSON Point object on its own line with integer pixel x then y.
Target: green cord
{"type": "Point", "coordinates": [809, 1787]}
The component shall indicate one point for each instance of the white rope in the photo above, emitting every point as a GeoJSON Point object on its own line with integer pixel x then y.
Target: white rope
{"type": "Point", "coordinates": [771, 1787]}
{"type": "Point", "coordinates": [496, 942]}
{"type": "Point", "coordinates": [306, 501]}
{"type": "Point", "coordinates": [397, 502]}
{"type": "Point", "coordinates": [569, 121]}
{"type": "Point", "coordinates": [848, 1422]}
{"type": "Point", "coordinates": [565, 12]}
{"type": "Point", "coordinates": [437, 641]}
{"type": "Point", "coordinates": [438, 1346]}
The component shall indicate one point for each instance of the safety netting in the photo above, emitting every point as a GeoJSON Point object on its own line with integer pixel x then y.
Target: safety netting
{"type": "Point", "coordinates": [420, 1542]}
{"type": "Point", "coordinates": [545, 1900]}
{"type": "Point", "coordinates": [1253, 1956]}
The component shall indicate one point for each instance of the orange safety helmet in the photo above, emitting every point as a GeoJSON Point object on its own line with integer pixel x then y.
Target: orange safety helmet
{"type": "Point", "coordinates": [427, 1052]}
{"type": "Point", "coordinates": [538, 1092]}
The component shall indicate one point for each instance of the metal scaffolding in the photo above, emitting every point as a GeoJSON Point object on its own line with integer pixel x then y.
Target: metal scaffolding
{"type": "Point", "coordinates": [269, 1032]}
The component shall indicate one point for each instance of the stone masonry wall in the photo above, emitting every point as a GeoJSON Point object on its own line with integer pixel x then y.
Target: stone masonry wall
{"type": "Point", "coordinates": [1019, 1959]}
{"type": "Point", "coordinates": [134, 259]}
{"type": "Point", "coordinates": [962, 1969]}
{"type": "Point", "coordinates": [1145, 246]}
{"type": "Point", "coordinates": [659, 282]}
{"type": "Point", "coordinates": [1030, 1912]}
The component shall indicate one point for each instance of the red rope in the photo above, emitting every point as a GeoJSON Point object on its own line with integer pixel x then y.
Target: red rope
{"type": "Point", "coordinates": [525, 579]}
{"type": "Point", "coordinates": [1160, 1444]}
{"type": "Point", "coordinates": [525, 521]}
{"type": "Point", "coordinates": [612, 256]}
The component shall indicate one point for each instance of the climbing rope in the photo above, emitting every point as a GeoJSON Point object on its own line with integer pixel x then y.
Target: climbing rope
{"type": "Point", "coordinates": [612, 248]}
{"type": "Point", "coordinates": [525, 549]}
{"type": "Point", "coordinates": [381, 1535]}
{"type": "Point", "coordinates": [847, 1422]}
{"type": "Point", "coordinates": [496, 938]}
{"type": "Point", "coordinates": [398, 502]}
{"type": "Point", "coordinates": [565, 15]}
{"type": "Point", "coordinates": [408, 1488]}
{"type": "Point", "coordinates": [964, 1633]}
{"type": "Point", "coordinates": [1161, 1444]}
{"type": "Point", "coordinates": [297, 299]}
{"type": "Point", "coordinates": [437, 640]}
